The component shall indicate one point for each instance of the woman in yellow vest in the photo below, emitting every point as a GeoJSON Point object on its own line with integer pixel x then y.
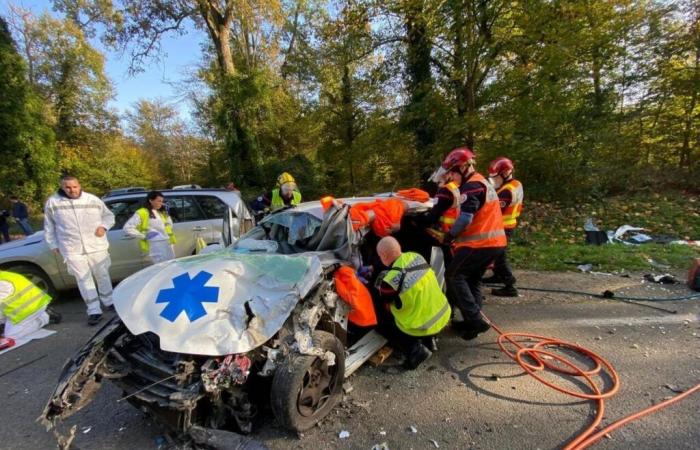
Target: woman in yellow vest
{"type": "Point", "coordinates": [23, 306]}
{"type": "Point", "coordinates": [154, 227]}
{"type": "Point", "coordinates": [419, 307]}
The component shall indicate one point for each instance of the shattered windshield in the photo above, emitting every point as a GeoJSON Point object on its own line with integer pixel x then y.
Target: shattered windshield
{"type": "Point", "coordinates": [290, 232]}
{"type": "Point", "coordinates": [297, 226]}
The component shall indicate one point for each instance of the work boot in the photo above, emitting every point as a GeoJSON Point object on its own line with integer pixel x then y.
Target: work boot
{"type": "Point", "coordinates": [54, 316]}
{"type": "Point", "coordinates": [109, 308]}
{"type": "Point", "coordinates": [473, 328]}
{"type": "Point", "coordinates": [416, 356]}
{"type": "Point", "coordinates": [493, 279]}
{"type": "Point", "coordinates": [94, 319]}
{"type": "Point", "coordinates": [507, 291]}
{"type": "Point", "coordinates": [431, 343]}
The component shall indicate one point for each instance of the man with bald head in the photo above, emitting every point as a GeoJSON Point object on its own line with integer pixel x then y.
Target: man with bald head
{"type": "Point", "coordinates": [75, 227]}
{"type": "Point", "coordinates": [418, 306]}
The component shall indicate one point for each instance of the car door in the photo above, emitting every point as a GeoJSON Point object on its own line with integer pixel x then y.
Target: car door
{"type": "Point", "coordinates": [189, 222]}
{"type": "Point", "coordinates": [124, 251]}
{"type": "Point", "coordinates": [214, 210]}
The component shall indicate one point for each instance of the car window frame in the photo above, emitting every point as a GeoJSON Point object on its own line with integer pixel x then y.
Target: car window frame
{"type": "Point", "coordinates": [225, 206]}
{"type": "Point", "coordinates": [135, 200]}
{"type": "Point", "coordinates": [171, 196]}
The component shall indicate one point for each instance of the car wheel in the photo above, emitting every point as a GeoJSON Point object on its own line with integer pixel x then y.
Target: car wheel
{"type": "Point", "coordinates": [305, 388]}
{"type": "Point", "coordinates": [36, 276]}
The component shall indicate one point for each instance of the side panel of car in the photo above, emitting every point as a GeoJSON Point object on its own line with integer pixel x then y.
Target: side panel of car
{"type": "Point", "coordinates": [124, 251]}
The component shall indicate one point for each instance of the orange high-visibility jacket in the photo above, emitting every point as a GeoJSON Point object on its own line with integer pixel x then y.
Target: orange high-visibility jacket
{"type": "Point", "coordinates": [448, 218]}
{"type": "Point", "coordinates": [355, 294]}
{"type": "Point", "coordinates": [486, 229]}
{"type": "Point", "coordinates": [512, 211]}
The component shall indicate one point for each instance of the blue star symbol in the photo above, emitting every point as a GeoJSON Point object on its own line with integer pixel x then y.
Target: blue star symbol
{"type": "Point", "coordinates": [187, 295]}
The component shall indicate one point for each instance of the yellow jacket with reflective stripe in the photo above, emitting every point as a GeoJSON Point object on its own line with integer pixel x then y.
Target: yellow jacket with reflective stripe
{"type": "Point", "coordinates": [25, 300]}
{"type": "Point", "coordinates": [143, 227]}
{"type": "Point", "coordinates": [277, 201]}
{"type": "Point", "coordinates": [424, 309]}
{"type": "Point", "coordinates": [512, 211]}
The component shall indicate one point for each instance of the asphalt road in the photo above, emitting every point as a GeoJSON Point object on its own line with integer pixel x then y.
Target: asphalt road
{"type": "Point", "coordinates": [468, 395]}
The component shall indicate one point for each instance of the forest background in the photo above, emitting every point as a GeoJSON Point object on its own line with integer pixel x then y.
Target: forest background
{"type": "Point", "coordinates": [592, 99]}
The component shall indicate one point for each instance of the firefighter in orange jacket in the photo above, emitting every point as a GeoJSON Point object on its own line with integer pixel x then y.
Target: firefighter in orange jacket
{"type": "Point", "coordinates": [477, 237]}
{"type": "Point", "coordinates": [510, 195]}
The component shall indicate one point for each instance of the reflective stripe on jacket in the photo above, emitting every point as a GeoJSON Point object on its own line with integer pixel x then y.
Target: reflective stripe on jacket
{"type": "Point", "coordinates": [144, 226]}
{"type": "Point", "coordinates": [486, 228]}
{"type": "Point", "coordinates": [25, 300]}
{"type": "Point", "coordinates": [449, 217]}
{"type": "Point", "coordinates": [424, 308]}
{"type": "Point", "coordinates": [277, 201]}
{"type": "Point", "coordinates": [512, 211]}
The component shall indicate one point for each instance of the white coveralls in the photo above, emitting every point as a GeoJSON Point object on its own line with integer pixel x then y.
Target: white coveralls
{"type": "Point", "coordinates": [29, 325]}
{"type": "Point", "coordinates": [69, 226]}
{"type": "Point", "coordinates": [159, 247]}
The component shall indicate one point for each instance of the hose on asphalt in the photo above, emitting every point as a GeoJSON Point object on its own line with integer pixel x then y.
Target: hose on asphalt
{"type": "Point", "coordinates": [540, 359]}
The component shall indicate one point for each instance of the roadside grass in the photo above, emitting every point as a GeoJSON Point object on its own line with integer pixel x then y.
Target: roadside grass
{"type": "Point", "coordinates": [550, 236]}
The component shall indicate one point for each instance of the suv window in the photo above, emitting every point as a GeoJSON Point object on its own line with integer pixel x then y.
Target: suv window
{"type": "Point", "coordinates": [123, 210]}
{"type": "Point", "coordinates": [183, 209]}
{"type": "Point", "coordinates": [212, 206]}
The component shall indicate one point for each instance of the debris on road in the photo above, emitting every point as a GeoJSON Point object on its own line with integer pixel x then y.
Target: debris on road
{"type": "Point", "coordinates": [344, 434]}
{"type": "Point", "coordinates": [674, 388]}
{"type": "Point", "coordinates": [665, 278]}
{"type": "Point", "coordinates": [413, 429]}
{"type": "Point", "coordinates": [347, 387]}
{"type": "Point", "coordinates": [434, 442]}
{"type": "Point", "coordinates": [381, 446]}
{"type": "Point", "coordinates": [86, 430]}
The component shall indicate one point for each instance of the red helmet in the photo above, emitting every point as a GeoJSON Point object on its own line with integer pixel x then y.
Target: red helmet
{"type": "Point", "coordinates": [458, 157]}
{"type": "Point", "coordinates": [499, 166]}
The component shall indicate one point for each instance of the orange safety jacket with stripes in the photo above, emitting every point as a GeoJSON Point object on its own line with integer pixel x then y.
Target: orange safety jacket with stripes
{"type": "Point", "coordinates": [486, 229]}
{"type": "Point", "coordinates": [448, 217]}
{"type": "Point", "coordinates": [512, 211]}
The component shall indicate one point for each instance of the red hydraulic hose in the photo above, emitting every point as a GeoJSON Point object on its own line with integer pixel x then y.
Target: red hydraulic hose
{"type": "Point", "coordinates": [538, 358]}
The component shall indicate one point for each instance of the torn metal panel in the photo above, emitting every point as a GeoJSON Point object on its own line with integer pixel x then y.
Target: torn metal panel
{"type": "Point", "coordinates": [80, 378]}
{"type": "Point", "coordinates": [255, 295]}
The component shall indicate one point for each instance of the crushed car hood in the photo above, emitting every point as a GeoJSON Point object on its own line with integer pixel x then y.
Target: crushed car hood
{"type": "Point", "coordinates": [215, 304]}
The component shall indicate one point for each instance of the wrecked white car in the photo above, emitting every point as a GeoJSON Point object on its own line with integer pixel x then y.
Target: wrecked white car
{"type": "Point", "coordinates": [206, 342]}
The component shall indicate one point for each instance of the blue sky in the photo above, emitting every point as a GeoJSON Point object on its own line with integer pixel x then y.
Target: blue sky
{"type": "Point", "coordinates": [180, 55]}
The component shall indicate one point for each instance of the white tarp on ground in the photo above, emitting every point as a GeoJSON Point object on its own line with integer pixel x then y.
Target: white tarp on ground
{"type": "Point", "coordinates": [38, 334]}
{"type": "Point", "coordinates": [215, 304]}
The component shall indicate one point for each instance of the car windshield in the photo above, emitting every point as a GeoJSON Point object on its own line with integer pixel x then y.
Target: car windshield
{"type": "Point", "coordinates": [292, 231]}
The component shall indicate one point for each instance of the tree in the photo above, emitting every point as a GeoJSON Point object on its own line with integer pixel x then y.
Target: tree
{"type": "Point", "coordinates": [69, 73]}
{"type": "Point", "coordinates": [29, 166]}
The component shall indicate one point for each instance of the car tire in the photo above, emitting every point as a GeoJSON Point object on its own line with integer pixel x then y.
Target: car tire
{"type": "Point", "coordinates": [36, 276]}
{"type": "Point", "coordinates": [305, 388]}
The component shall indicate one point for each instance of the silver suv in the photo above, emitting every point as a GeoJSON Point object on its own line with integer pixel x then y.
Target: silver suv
{"type": "Point", "coordinates": [195, 213]}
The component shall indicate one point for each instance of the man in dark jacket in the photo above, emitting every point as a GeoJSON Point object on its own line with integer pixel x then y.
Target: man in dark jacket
{"type": "Point", "coordinates": [21, 215]}
{"type": "Point", "coordinates": [4, 227]}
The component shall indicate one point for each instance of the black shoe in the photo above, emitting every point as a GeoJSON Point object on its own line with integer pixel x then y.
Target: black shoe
{"type": "Point", "coordinates": [493, 279]}
{"type": "Point", "coordinates": [109, 308]}
{"type": "Point", "coordinates": [508, 291]}
{"type": "Point", "coordinates": [54, 316]}
{"type": "Point", "coordinates": [416, 356]}
{"type": "Point", "coordinates": [94, 319]}
{"type": "Point", "coordinates": [431, 343]}
{"type": "Point", "coordinates": [473, 328]}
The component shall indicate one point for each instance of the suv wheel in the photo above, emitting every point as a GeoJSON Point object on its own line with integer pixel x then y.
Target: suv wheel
{"type": "Point", "coordinates": [305, 388]}
{"type": "Point", "coordinates": [36, 276]}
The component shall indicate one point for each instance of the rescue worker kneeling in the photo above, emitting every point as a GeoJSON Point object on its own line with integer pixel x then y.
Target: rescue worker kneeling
{"type": "Point", "coordinates": [23, 306]}
{"type": "Point", "coordinates": [419, 308]}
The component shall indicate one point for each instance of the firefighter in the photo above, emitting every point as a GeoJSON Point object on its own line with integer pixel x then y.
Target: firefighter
{"type": "Point", "coordinates": [510, 196]}
{"type": "Point", "coordinates": [286, 193]}
{"type": "Point", "coordinates": [477, 238]}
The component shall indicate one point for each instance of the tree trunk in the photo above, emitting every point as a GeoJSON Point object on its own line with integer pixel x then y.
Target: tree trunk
{"type": "Point", "coordinates": [420, 80]}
